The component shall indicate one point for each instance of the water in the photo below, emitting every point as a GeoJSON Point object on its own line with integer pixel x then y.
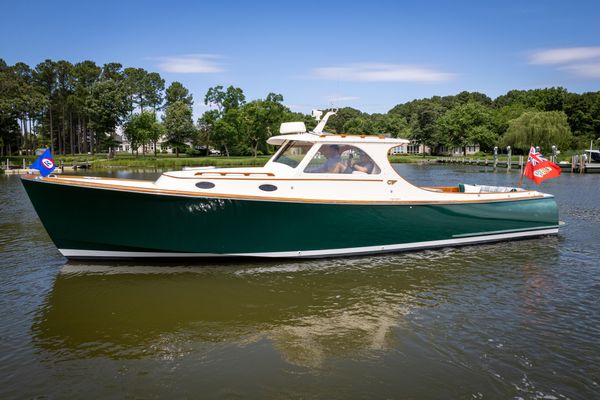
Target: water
{"type": "Point", "coordinates": [509, 320]}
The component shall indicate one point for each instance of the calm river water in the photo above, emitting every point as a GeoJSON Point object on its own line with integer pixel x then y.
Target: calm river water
{"type": "Point", "coordinates": [509, 320]}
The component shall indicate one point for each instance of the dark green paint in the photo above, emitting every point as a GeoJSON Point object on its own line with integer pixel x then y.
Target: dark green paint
{"type": "Point", "coordinates": [97, 219]}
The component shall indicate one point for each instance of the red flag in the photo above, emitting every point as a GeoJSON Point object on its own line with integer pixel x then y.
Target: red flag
{"type": "Point", "coordinates": [538, 168]}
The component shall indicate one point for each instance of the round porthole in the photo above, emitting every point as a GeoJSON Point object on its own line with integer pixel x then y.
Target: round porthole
{"type": "Point", "coordinates": [205, 185]}
{"type": "Point", "coordinates": [268, 188]}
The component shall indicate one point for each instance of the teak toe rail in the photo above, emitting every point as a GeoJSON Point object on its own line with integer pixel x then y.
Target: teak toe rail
{"type": "Point", "coordinates": [234, 173]}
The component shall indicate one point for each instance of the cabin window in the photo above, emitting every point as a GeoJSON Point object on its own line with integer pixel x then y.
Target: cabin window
{"type": "Point", "coordinates": [342, 159]}
{"type": "Point", "coordinates": [293, 153]}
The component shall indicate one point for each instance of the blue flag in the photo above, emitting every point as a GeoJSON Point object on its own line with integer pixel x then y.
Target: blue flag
{"type": "Point", "coordinates": [44, 163]}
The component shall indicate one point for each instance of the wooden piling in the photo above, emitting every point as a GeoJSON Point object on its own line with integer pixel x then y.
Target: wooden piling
{"type": "Point", "coordinates": [521, 164]}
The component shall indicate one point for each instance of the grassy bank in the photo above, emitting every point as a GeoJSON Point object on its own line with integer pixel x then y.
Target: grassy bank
{"type": "Point", "coordinates": [148, 161]}
{"type": "Point", "coordinates": [411, 159]}
{"type": "Point", "coordinates": [179, 162]}
{"type": "Point", "coordinates": [164, 161]}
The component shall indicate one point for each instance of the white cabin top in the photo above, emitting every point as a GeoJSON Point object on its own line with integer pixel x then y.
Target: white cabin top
{"type": "Point", "coordinates": [340, 139]}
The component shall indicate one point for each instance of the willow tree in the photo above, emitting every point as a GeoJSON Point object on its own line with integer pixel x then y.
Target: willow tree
{"type": "Point", "coordinates": [539, 128]}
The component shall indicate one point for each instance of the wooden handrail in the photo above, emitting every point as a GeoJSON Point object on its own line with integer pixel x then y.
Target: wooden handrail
{"type": "Point", "coordinates": [234, 173]}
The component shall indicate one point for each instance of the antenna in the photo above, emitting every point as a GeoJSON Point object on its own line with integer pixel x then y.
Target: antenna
{"type": "Point", "coordinates": [319, 128]}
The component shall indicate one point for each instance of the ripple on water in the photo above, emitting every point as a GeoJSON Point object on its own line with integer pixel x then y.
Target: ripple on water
{"type": "Point", "coordinates": [515, 319]}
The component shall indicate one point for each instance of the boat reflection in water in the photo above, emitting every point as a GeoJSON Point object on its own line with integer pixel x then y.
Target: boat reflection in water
{"type": "Point", "coordinates": [307, 312]}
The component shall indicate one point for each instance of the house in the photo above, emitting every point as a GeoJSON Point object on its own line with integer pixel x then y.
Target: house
{"type": "Point", "coordinates": [457, 151]}
{"type": "Point", "coordinates": [123, 145]}
{"type": "Point", "coordinates": [412, 148]}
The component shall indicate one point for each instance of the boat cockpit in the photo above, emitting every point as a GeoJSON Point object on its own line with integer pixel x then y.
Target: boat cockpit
{"type": "Point", "coordinates": [327, 158]}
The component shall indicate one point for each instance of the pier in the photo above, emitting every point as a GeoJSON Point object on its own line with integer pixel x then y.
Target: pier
{"type": "Point", "coordinates": [578, 163]}
{"type": "Point", "coordinates": [12, 169]}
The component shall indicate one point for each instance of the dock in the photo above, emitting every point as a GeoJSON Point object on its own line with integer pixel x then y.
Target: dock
{"type": "Point", "coordinates": [578, 163]}
{"type": "Point", "coordinates": [12, 169]}
{"type": "Point", "coordinates": [493, 162]}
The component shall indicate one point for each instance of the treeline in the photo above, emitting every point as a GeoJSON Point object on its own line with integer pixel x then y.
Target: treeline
{"type": "Point", "coordinates": [520, 118]}
{"type": "Point", "coordinates": [73, 108]}
{"type": "Point", "coordinates": [76, 108]}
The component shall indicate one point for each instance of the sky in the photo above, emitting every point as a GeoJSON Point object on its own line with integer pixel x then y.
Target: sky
{"type": "Point", "coordinates": [368, 55]}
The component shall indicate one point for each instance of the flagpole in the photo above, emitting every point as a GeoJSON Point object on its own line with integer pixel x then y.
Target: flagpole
{"type": "Point", "coordinates": [521, 180]}
{"type": "Point", "coordinates": [524, 165]}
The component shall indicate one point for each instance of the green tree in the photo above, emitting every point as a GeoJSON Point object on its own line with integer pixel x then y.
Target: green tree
{"type": "Point", "coordinates": [503, 115]}
{"type": "Point", "coordinates": [337, 122]}
{"type": "Point", "coordinates": [548, 99]}
{"type": "Point", "coordinates": [423, 122]}
{"type": "Point", "coordinates": [230, 127]}
{"type": "Point", "coordinates": [261, 119]}
{"type": "Point", "coordinates": [112, 71]}
{"type": "Point", "coordinates": [9, 92]}
{"type": "Point", "coordinates": [177, 92]}
{"type": "Point", "coordinates": [224, 134]}
{"type": "Point", "coordinates": [64, 89]}
{"type": "Point", "coordinates": [358, 126]}
{"type": "Point", "coordinates": [178, 124]}
{"type": "Point", "coordinates": [145, 89]}
{"type": "Point", "coordinates": [107, 105]}
{"type": "Point", "coordinates": [224, 100]}
{"type": "Point", "coordinates": [390, 125]}
{"type": "Point", "coordinates": [539, 128]}
{"type": "Point", "coordinates": [45, 79]}
{"type": "Point", "coordinates": [206, 124]}
{"type": "Point", "coordinates": [153, 90]}
{"type": "Point", "coordinates": [467, 124]}
{"type": "Point", "coordinates": [143, 128]}
{"type": "Point", "coordinates": [134, 78]}
{"type": "Point", "coordinates": [85, 74]}
{"type": "Point", "coordinates": [155, 133]}
{"type": "Point", "coordinates": [21, 105]}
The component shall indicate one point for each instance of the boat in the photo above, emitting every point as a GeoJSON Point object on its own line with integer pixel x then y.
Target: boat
{"type": "Point", "coordinates": [592, 163]}
{"type": "Point", "coordinates": [594, 156]}
{"type": "Point", "coordinates": [320, 195]}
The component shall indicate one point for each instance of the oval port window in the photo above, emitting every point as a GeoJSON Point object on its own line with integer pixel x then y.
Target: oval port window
{"type": "Point", "coordinates": [268, 188]}
{"type": "Point", "coordinates": [205, 185]}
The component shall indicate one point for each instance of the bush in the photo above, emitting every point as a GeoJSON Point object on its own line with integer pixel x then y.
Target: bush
{"type": "Point", "coordinates": [190, 152]}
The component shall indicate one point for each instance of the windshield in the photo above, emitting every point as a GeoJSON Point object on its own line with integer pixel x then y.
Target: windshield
{"type": "Point", "coordinates": [293, 153]}
{"type": "Point", "coordinates": [336, 159]}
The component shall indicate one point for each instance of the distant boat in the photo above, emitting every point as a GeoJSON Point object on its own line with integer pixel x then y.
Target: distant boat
{"type": "Point", "coordinates": [594, 156]}
{"type": "Point", "coordinates": [320, 195]}
{"type": "Point", "coordinates": [593, 162]}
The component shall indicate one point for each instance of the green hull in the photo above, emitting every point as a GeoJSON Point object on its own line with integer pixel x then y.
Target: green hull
{"type": "Point", "coordinates": [87, 222]}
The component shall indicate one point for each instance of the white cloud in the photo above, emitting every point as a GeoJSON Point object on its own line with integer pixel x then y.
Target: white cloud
{"type": "Point", "coordinates": [590, 70]}
{"type": "Point", "coordinates": [583, 62]}
{"type": "Point", "coordinates": [382, 73]}
{"type": "Point", "coordinates": [191, 64]}
{"type": "Point", "coordinates": [335, 98]}
{"type": "Point", "coordinates": [564, 55]}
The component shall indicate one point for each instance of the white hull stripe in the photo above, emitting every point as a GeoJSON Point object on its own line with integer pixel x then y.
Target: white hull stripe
{"type": "Point", "coordinates": [310, 253]}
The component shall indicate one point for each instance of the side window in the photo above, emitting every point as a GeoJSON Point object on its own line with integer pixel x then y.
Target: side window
{"type": "Point", "coordinates": [293, 153]}
{"type": "Point", "coordinates": [336, 159]}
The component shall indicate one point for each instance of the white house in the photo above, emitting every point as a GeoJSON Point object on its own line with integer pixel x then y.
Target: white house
{"type": "Point", "coordinates": [125, 147]}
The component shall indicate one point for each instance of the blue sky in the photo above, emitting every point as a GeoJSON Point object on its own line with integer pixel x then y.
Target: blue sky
{"type": "Point", "coordinates": [369, 55]}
